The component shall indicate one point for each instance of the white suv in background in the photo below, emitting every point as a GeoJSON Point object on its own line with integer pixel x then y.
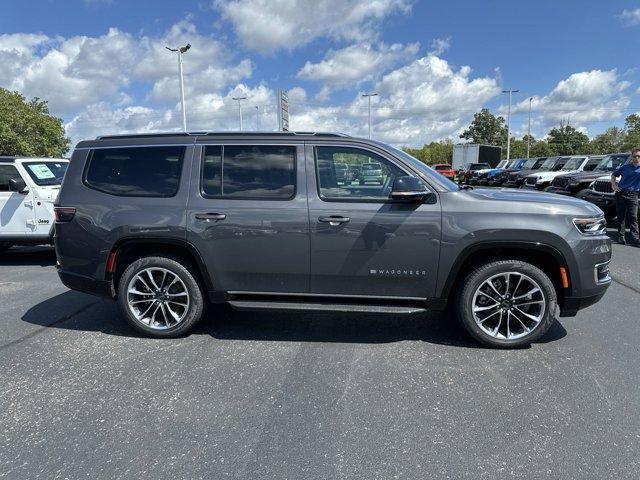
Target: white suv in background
{"type": "Point", "coordinates": [28, 189]}
{"type": "Point", "coordinates": [542, 180]}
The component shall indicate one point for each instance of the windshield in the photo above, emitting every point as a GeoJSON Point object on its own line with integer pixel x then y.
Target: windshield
{"type": "Point", "coordinates": [573, 164]}
{"type": "Point", "coordinates": [46, 173]}
{"type": "Point", "coordinates": [548, 164]}
{"type": "Point", "coordinates": [478, 166]}
{"type": "Point", "coordinates": [425, 172]}
{"type": "Point", "coordinates": [611, 162]}
{"type": "Point", "coordinates": [529, 163]}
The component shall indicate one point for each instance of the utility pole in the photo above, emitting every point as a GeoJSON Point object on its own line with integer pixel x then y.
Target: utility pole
{"type": "Point", "coordinates": [369, 95]}
{"type": "Point", "coordinates": [529, 128]}
{"type": "Point", "coordinates": [510, 92]}
{"type": "Point", "coordinates": [239, 100]}
{"type": "Point", "coordinates": [257, 118]}
{"type": "Point", "coordinates": [181, 51]}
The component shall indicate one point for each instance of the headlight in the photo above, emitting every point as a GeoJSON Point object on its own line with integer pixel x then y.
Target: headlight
{"type": "Point", "coordinates": [591, 226]}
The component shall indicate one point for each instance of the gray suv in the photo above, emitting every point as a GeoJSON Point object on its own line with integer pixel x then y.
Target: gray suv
{"type": "Point", "coordinates": [168, 223]}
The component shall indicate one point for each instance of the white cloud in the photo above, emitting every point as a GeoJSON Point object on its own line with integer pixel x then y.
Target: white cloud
{"type": "Point", "coordinates": [270, 25]}
{"type": "Point", "coordinates": [77, 71]}
{"type": "Point", "coordinates": [440, 45]}
{"type": "Point", "coordinates": [419, 102]}
{"type": "Point", "coordinates": [630, 17]}
{"type": "Point", "coordinates": [582, 98]}
{"type": "Point", "coordinates": [358, 63]}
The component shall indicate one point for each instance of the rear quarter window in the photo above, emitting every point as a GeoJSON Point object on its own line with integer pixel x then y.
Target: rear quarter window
{"type": "Point", "coordinates": [136, 171]}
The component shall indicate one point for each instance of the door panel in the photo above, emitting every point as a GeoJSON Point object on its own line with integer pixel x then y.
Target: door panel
{"type": "Point", "coordinates": [16, 209]}
{"type": "Point", "coordinates": [250, 244]}
{"type": "Point", "coordinates": [384, 249]}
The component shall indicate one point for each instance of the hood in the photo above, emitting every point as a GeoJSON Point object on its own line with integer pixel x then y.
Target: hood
{"type": "Point", "coordinates": [528, 201]}
{"type": "Point", "coordinates": [524, 173]}
{"type": "Point", "coordinates": [586, 176]}
{"type": "Point", "coordinates": [546, 175]}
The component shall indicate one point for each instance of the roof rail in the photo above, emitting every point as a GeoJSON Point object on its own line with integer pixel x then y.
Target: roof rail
{"type": "Point", "coordinates": [221, 134]}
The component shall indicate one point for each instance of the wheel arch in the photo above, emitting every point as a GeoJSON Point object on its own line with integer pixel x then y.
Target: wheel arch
{"type": "Point", "coordinates": [128, 250]}
{"type": "Point", "coordinates": [546, 257]}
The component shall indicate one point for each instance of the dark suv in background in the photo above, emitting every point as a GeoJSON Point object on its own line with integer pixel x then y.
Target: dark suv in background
{"type": "Point", "coordinates": [516, 179]}
{"type": "Point", "coordinates": [578, 184]}
{"type": "Point", "coordinates": [167, 223]}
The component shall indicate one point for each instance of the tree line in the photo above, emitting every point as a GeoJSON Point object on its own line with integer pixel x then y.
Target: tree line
{"type": "Point", "coordinates": [489, 129]}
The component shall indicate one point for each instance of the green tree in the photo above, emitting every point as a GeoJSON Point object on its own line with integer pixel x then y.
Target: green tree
{"type": "Point", "coordinates": [486, 129]}
{"type": "Point", "coordinates": [566, 140]}
{"type": "Point", "coordinates": [27, 128]}
{"type": "Point", "coordinates": [632, 129]}
{"type": "Point", "coordinates": [609, 141]}
{"type": "Point", "coordinates": [434, 152]}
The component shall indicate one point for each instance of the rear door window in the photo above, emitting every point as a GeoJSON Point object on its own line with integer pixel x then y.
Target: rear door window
{"type": "Point", "coordinates": [136, 171]}
{"type": "Point", "coordinates": [249, 171]}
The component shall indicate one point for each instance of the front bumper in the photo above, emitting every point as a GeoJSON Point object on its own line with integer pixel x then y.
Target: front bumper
{"type": "Point", "coordinates": [602, 200]}
{"type": "Point", "coordinates": [558, 190]}
{"type": "Point", "coordinates": [572, 305]}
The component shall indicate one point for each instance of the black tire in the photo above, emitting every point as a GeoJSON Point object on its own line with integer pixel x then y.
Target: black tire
{"type": "Point", "coordinates": [581, 194]}
{"type": "Point", "coordinates": [196, 298]}
{"type": "Point", "coordinates": [546, 189]}
{"type": "Point", "coordinates": [5, 246]}
{"type": "Point", "coordinates": [477, 277]}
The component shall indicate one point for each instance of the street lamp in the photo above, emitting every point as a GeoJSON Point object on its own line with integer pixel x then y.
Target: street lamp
{"type": "Point", "coordinates": [257, 118]}
{"type": "Point", "coordinates": [239, 100]}
{"type": "Point", "coordinates": [529, 128]}
{"type": "Point", "coordinates": [180, 51]}
{"type": "Point", "coordinates": [510, 92]}
{"type": "Point", "coordinates": [369, 95]}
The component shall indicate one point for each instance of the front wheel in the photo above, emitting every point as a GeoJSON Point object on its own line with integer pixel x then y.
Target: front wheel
{"type": "Point", "coordinates": [160, 297]}
{"type": "Point", "coordinates": [507, 303]}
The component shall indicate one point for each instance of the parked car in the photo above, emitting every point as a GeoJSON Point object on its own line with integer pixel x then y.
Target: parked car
{"type": "Point", "coordinates": [341, 172]}
{"type": "Point", "coordinates": [28, 188]}
{"type": "Point", "coordinates": [499, 178]}
{"type": "Point", "coordinates": [516, 179]}
{"type": "Point", "coordinates": [258, 221]}
{"type": "Point", "coordinates": [550, 170]}
{"type": "Point", "coordinates": [482, 173]}
{"type": "Point", "coordinates": [578, 184]}
{"type": "Point", "coordinates": [465, 175]}
{"type": "Point", "coordinates": [371, 173]}
{"type": "Point", "coordinates": [483, 178]}
{"type": "Point", "coordinates": [445, 170]}
{"type": "Point", "coordinates": [602, 195]}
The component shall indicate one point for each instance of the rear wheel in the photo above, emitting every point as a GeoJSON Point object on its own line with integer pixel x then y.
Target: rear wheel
{"type": "Point", "coordinates": [546, 189]}
{"type": "Point", "coordinates": [160, 297]}
{"type": "Point", "coordinates": [507, 303]}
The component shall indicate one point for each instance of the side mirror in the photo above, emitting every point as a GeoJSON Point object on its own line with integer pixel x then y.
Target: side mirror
{"type": "Point", "coordinates": [409, 189]}
{"type": "Point", "coordinates": [17, 185]}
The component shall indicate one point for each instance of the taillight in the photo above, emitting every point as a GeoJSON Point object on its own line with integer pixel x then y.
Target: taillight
{"type": "Point", "coordinates": [64, 214]}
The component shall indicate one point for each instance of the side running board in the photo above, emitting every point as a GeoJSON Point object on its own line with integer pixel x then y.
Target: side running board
{"type": "Point", "coordinates": [326, 307]}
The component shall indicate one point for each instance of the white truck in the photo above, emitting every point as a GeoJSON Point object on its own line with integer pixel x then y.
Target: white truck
{"type": "Point", "coordinates": [465, 154]}
{"type": "Point", "coordinates": [28, 189]}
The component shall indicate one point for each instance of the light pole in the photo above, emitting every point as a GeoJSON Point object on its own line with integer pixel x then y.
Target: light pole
{"type": "Point", "coordinates": [257, 118]}
{"type": "Point", "coordinates": [369, 95]}
{"type": "Point", "coordinates": [180, 51]}
{"type": "Point", "coordinates": [529, 128]}
{"type": "Point", "coordinates": [239, 100]}
{"type": "Point", "coordinates": [510, 92]}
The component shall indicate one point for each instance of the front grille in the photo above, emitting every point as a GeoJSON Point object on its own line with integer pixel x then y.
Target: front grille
{"type": "Point", "coordinates": [561, 181]}
{"type": "Point", "coordinates": [602, 186]}
{"type": "Point", "coordinates": [531, 180]}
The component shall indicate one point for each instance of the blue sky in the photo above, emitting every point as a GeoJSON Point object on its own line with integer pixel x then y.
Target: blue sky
{"type": "Point", "coordinates": [102, 66]}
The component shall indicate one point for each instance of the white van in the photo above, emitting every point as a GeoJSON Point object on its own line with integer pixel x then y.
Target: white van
{"type": "Point", "coordinates": [28, 189]}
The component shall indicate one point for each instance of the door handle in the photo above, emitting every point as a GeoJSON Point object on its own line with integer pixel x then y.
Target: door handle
{"type": "Point", "coordinates": [210, 216]}
{"type": "Point", "coordinates": [334, 220]}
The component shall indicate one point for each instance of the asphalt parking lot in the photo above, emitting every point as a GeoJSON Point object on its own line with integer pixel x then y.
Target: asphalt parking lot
{"type": "Point", "coordinates": [289, 396]}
